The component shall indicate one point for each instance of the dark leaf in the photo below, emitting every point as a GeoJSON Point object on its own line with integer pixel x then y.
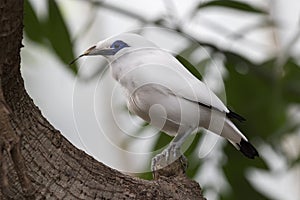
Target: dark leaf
{"type": "Point", "coordinates": [162, 141]}
{"type": "Point", "coordinates": [189, 66]}
{"type": "Point", "coordinates": [291, 82]}
{"type": "Point", "coordinates": [146, 175]}
{"type": "Point", "coordinates": [255, 93]}
{"type": "Point", "coordinates": [236, 5]}
{"type": "Point", "coordinates": [59, 36]}
{"type": "Point", "coordinates": [295, 162]}
{"type": "Point", "coordinates": [32, 26]}
{"type": "Point", "coordinates": [235, 171]}
{"type": "Point", "coordinates": [194, 162]}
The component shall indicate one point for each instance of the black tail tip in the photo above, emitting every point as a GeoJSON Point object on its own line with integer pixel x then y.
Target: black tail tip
{"type": "Point", "coordinates": [248, 149]}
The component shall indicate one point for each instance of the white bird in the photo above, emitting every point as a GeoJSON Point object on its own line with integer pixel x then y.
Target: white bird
{"type": "Point", "coordinates": [164, 93]}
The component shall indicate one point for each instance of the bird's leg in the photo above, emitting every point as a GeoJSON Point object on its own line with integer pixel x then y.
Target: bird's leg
{"type": "Point", "coordinates": [171, 153]}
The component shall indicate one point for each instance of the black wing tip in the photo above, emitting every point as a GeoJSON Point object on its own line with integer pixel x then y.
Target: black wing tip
{"type": "Point", "coordinates": [233, 115]}
{"type": "Point", "coordinates": [248, 149]}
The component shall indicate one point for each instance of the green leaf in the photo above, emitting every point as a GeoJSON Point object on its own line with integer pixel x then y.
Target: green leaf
{"type": "Point", "coordinates": [295, 162]}
{"type": "Point", "coordinates": [32, 26]}
{"type": "Point", "coordinates": [162, 141]}
{"type": "Point", "coordinates": [194, 162]}
{"type": "Point", "coordinates": [235, 171]}
{"type": "Point", "coordinates": [189, 66]}
{"type": "Point", "coordinates": [59, 36]}
{"type": "Point", "coordinates": [236, 5]}
{"type": "Point", "coordinates": [263, 97]}
{"type": "Point", "coordinates": [146, 175]}
{"type": "Point", "coordinates": [255, 93]}
{"type": "Point", "coordinates": [291, 82]}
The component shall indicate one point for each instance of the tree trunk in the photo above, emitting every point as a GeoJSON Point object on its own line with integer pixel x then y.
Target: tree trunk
{"type": "Point", "coordinates": [37, 162]}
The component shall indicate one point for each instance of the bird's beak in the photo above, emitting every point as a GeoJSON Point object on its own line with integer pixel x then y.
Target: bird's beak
{"type": "Point", "coordinates": [95, 51]}
{"type": "Point", "coordinates": [88, 51]}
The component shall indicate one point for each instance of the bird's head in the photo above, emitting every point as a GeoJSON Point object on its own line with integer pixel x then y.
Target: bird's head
{"type": "Point", "coordinates": [115, 46]}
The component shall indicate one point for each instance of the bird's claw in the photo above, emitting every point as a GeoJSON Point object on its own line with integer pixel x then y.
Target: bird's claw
{"type": "Point", "coordinates": [167, 157]}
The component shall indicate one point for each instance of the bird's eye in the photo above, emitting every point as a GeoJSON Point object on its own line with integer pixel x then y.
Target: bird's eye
{"type": "Point", "coordinates": [119, 45]}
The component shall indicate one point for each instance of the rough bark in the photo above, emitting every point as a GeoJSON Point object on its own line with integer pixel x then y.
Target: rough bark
{"type": "Point", "coordinates": [37, 162]}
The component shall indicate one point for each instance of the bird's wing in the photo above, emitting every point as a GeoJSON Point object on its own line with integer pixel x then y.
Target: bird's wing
{"type": "Point", "coordinates": [161, 68]}
{"type": "Point", "coordinates": [198, 92]}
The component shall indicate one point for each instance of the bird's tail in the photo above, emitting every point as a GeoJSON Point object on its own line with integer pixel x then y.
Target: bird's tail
{"type": "Point", "coordinates": [231, 132]}
{"type": "Point", "coordinates": [247, 149]}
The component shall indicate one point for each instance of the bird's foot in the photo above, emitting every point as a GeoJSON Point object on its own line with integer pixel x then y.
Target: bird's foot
{"type": "Point", "coordinates": [167, 157]}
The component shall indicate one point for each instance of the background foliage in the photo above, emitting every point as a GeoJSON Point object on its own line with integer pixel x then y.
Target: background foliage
{"type": "Point", "coordinates": [263, 93]}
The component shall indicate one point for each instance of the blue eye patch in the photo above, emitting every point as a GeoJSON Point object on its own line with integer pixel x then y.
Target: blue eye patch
{"type": "Point", "coordinates": [117, 46]}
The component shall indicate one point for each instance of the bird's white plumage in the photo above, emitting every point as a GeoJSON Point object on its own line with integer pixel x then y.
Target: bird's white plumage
{"type": "Point", "coordinates": [156, 66]}
{"type": "Point", "coordinates": [163, 92]}
{"type": "Point", "coordinates": [152, 76]}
